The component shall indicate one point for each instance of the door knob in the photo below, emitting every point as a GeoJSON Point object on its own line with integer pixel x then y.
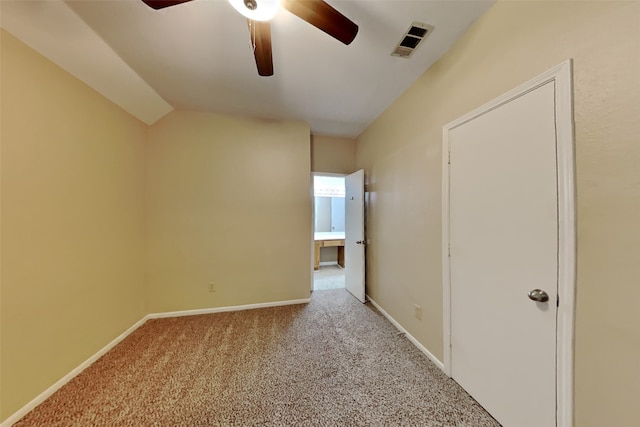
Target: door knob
{"type": "Point", "coordinates": [359, 242]}
{"type": "Point", "coordinates": [538, 295]}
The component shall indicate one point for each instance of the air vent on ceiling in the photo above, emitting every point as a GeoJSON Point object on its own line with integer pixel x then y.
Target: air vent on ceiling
{"type": "Point", "coordinates": [412, 39]}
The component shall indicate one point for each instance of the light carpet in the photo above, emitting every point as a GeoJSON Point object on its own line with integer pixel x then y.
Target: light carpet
{"type": "Point", "coordinates": [328, 277]}
{"type": "Point", "coordinates": [333, 362]}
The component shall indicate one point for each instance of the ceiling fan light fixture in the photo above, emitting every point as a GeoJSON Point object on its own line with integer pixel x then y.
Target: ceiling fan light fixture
{"type": "Point", "coordinates": [256, 10]}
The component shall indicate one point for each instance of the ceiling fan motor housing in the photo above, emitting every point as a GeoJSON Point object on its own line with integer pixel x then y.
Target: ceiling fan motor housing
{"type": "Point", "coordinates": [316, 12]}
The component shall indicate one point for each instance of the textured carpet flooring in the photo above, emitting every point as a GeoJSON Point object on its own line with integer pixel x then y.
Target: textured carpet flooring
{"type": "Point", "coordinates": [328, 277]}
{"type": "Point", "coordinates": [333, 362]}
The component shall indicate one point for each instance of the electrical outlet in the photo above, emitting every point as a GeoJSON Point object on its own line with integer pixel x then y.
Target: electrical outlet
{"type": "Point", "coordinates": [417, 312]}
{"type": "Point", "coordinates": [212, 286]}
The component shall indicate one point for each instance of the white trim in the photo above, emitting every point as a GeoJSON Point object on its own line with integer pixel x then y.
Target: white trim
{"type": "Point", "coordinates": [446, 272]}
{"type": "Point", "coordinates": [225, 309]}
{"type": "Point", "coordinates": [312, 259]}
{"type": "Point", "coordinates": [561, 75]}
{"type": "Point", "coordinates": [410, 337]}
{"type": "Point", "coordinates": [567, 236]}
{"type": "Point", "coordinates": [328, 263]}
{"type": "Point", "coordinates": [329, 174]}
{"type": "Point", "coordinates": [62, 381]}
{"type": "Point", "coordinates": [84, 365]}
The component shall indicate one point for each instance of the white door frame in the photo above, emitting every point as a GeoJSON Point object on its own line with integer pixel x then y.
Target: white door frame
{"type": "Point", "coordinates": [313, 214]}
{"type": "Point", "coordinates": [561, 76]}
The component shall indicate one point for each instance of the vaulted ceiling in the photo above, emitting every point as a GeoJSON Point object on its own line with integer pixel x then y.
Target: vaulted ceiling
{"type": "Point", "coordinates": [197, 56]}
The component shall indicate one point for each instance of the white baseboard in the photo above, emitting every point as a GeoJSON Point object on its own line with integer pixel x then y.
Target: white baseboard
{"type": "Point", "coordinates": [84, 365]}
{"type": "Point", "coordinates": [224, 309]}
{"type": "Point", "coordinates": [410, 337]}
{"type": "Point", "coordinates": [62, 381]}
{"type": "Point", "coordinates": [327, 263]}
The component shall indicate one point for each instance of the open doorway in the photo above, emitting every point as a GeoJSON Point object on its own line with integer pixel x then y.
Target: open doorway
{"type": "Point", "coordinates": [329, 231]}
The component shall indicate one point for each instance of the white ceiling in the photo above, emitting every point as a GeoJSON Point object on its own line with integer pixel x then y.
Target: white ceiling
{"type": "Point", "coordinates": [197, 56]}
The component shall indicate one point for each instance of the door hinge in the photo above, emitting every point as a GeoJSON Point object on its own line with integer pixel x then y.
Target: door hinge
{"type": "Point", "coordinates": [557, 300]}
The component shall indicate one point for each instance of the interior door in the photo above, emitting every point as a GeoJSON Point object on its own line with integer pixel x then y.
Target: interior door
{"type": "Point", "coordinates": [503, 236]}
{"type": "Point", "coordinates": [354, 234]}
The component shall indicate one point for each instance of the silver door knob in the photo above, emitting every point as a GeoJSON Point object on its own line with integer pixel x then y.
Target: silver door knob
{"type": "Point", "coordinates": [538, 295]}
{"type": "Point", "coordinates": [359, 242]}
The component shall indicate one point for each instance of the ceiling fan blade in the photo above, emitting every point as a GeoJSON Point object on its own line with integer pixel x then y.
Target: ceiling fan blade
{"type": "Point", "coordinates": [321, 15]}
{"type": "Point", "coordinates": [260, 32]}
{"type": "Point", "coordinates": [161, 4]}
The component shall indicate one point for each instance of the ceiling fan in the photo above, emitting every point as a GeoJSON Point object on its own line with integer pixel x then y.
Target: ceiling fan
{"type": "Point", "coordinates": [258, 12]}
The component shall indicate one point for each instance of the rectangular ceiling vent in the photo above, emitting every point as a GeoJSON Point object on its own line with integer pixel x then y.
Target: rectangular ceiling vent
{"type": "Point", "coordinates": [412, 39]}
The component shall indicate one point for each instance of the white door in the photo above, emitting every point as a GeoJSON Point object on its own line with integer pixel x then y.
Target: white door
{"type": "Point", "coordinates": [503, 236]}
{"type": "Point", "coordinates": [354, 234]}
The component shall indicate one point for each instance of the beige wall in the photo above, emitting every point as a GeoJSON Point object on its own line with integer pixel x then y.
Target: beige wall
{"type": "Point", "coordinates": [333, 155]}
{"type": "Point", "coordinates": [401, 152]}
{"type": "Point", "coordinates": [72, 270]}
{"type": "Point", "coordinates": [85, 185]}
{"type": "Point", "coordinates": [73, 172]}
{"type": "Point", "coordinates": [229, 201]}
